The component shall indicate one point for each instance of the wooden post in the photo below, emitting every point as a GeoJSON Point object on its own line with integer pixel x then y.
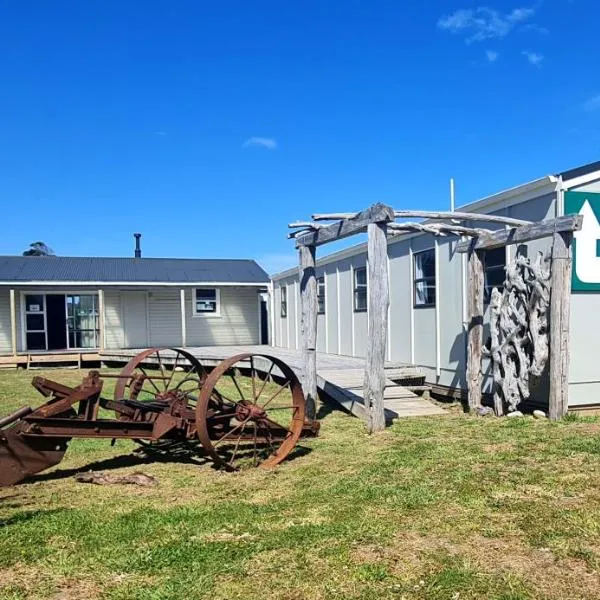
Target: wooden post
{"type": "Point", "coordinates": [183, 323]}
{"type": "Point", "coordinates": [308, 327]}
{"type": "Point", "coordinates": [379, 301]}
{"type": "Point", "coordinates": [560, 298]}
{"type": "Point", "coordinates": [475, 329]}
{"type": "Point", "coordinates": [13, 323]}
{"type": "Point", "coordinates": [101, 320]}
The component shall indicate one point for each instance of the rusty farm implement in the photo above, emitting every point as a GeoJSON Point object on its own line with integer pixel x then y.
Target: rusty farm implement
{"type": "Point", "coordinates": [247, 411]}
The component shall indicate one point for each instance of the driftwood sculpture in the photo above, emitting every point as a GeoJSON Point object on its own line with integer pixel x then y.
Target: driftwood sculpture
{"type": "Point", "coordinates": [519, 331]}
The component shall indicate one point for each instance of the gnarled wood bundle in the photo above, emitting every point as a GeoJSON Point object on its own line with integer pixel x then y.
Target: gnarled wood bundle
{"type": "Point", "coordinates": [519, 331]}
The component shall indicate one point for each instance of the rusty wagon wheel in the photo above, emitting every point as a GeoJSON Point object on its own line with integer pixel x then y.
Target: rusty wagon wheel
{"type": "Point", "coordinates": [250, 420]}
{"type": "Point", "coordinates": [161, 375]}
{"type": "Point", "coordinates": [157, 373]}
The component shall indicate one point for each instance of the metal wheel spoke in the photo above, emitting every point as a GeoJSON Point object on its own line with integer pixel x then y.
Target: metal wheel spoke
{"type": "Point", "coordinates": [162, 369]}
{"type": "Point", "coordinates": [286, 384]}
{"type": "Point", "coordinates": [265, 381]}
{"type": "Point", "coordinates": [277, 425]}
{"type": "Point", "coordinates": [150, 380]}
{"type": "Point", "coordinates": [237, 444]}
{"type": "Point", "coordinates": [230, 432]}
{"type": "Point", "coordinates": [253, 378]}
{"type": "Point", "coordinates": [283, 407]}
{"type": "Point", "coordinates": [173, 370]}
{"type": "Point", "coordinates": [237, 386]}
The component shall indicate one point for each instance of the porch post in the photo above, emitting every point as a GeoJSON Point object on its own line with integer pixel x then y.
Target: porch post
{"type": "Point", "coordinates": [308, 327]}
{"type": "Point", "coordinates": [101, 319]}
{"type": "Point", "coordinates": [475, 328]}
{"type": "Point", "coordinates": [183, 324]}
{"type": "Point", "coordinates": [379, 302]}
{"type": "Point", "coordinates": [560, 297]}
{"type": "Point", "coordinates": [13, 323]}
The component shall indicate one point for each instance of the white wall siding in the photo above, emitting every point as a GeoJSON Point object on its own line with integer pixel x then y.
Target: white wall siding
{"type": "Point", "coordinates": [237, 324]}
{"type": "Point", "coordinates": [400, 301]}
{"type": "Point", "coordinates": [113, 320]}
{"type": "Point", "coordinates": [5, 332]}
{"type": "Point", "coordinates": [164, 316]}
{"type": "Point", "coordinates": [331, 308]}
{"type": "Point", "coordinates": [346, 308]}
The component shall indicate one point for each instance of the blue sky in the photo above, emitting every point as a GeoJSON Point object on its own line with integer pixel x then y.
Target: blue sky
{"type": "Point", "coordinates": [208, 126]}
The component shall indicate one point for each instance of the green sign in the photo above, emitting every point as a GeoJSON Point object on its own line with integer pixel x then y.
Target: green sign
{"type": "Point", "coordinates": [586, 244]}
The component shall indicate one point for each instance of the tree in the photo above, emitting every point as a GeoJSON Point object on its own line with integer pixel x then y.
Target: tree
{"type": "Point", "coordinates": [38, 249]}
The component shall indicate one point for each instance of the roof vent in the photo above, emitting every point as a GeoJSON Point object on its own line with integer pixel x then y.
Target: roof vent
{"type": "Point", "coordinates": [138, 250]}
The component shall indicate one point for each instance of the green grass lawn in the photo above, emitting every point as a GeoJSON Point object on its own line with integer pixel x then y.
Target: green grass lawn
{"type": "Point", "coordinates": [452, 507]}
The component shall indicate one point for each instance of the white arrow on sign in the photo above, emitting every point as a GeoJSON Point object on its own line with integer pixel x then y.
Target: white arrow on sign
{"type": "Point", "coordinates": [587, 262]}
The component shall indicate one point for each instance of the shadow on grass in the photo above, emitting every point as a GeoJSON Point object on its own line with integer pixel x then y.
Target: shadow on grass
{"type": "Point", "coordinates": [145, 455]}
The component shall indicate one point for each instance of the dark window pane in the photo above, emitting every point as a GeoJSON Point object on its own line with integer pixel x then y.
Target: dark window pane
{"type": "Point", "coordinates": [360, 299]}
{"type": "Point", "coordinates": [36, 341]}
{"type": "Point", "coordinates": [284, 302]}
{"type": "Point", "coordinates": [360, 276]}
{"type": "Point", "coordinates": [206, 300]}
{"type": "Point", "coordinates": [34, 303]}
{"type": "Point", "coordinates": [321, 295]}
{"type": "Point", "coordinates": [425, 264]}
{"type": "Point", "coordinates": [495, 257]}
{"type": "Point", "coordinates": [495, 278]}
{"type": "Point", "coordinates": [35, 322]}
{"type": "Point", "coordinates": [424, 293]}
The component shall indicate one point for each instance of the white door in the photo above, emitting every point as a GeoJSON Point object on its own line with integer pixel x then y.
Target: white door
{"type": "Point", "coordinates": [135, 319]}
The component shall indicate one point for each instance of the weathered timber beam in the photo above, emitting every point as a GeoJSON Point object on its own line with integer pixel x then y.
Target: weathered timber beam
{"type": "Point", "coordinates": [333, 216]}
{"type": "Point", "coordinates": [304, 225]}
{"type": "Point", "coordinates": [437, 229]}
{"type": "Point", "coordinates": [459, 216]}
{"type": "Point", "coordinates": [428, 214]}
{"type": "Point", "coordinates": [525, 233]}
{"type": "Point", "coordinates": [378, 213]}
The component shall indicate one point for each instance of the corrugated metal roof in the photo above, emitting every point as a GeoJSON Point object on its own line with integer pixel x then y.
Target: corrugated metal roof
{"type": "Point", "coordinates": [151, 270]}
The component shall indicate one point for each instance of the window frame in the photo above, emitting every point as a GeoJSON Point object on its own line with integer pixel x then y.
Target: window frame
{"type": "Point", "coordinates": [321, 306]}
{"type": "Point", "coordinates": [283, 301]}
{"type": "Point", "coordinates": [487, 290]}
{"type": "Point", "coordinates": [356, 289]}
{"type": "Point", "coordinates": [206, 314]}
{"type": "Point", "coordinates": [428, 279]}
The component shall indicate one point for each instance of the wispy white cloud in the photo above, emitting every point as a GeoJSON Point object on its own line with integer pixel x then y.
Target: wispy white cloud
{"type": "Point", "coordinates": [592, 104]}
{"type": "Point", "coordinates": [491, 55]}
{"type": "Point", "coordinates": [536, 28]}
{"type": "Point", "coordinates": [533, 58]}
{"type": "Point", "coordinates": [484, 23]}
{"type": "Point", "coordinates": [268, 143]}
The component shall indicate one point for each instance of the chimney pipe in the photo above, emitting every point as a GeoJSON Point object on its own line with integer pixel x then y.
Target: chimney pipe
{"type": "Point", "coordinates": [138, 250]}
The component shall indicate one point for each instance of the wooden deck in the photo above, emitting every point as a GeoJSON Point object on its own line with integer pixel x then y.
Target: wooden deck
{"type": "Point", "coordinates": [339, 377]}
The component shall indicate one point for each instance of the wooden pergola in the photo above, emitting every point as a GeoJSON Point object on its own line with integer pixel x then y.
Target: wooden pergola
{"type": "Point", "coordinates": [379, 221]}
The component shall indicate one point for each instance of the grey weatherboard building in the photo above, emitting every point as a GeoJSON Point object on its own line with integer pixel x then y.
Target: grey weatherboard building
{"type": "Point", "coordinates": [427, 317]}
{"type": "Point", "coordinates": [59, 304]}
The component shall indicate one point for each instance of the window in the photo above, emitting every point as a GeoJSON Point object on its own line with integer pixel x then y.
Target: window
{"type": "Point", "coordinates": [360, 289]}
{"type": "Point", "coordinates": [207, 301]}
{"type": "Point", "coordinates": [424, 278]}
{"type": "Point", "coordinates": [321, 295]}
{"type": "Point", "coordinates": [494, 265]}
{"type": "Point", "coordinates": [284, 301]}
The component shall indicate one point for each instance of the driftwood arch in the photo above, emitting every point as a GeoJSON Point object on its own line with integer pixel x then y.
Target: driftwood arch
{"type": "Point", "coordinates": [379, 221]}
